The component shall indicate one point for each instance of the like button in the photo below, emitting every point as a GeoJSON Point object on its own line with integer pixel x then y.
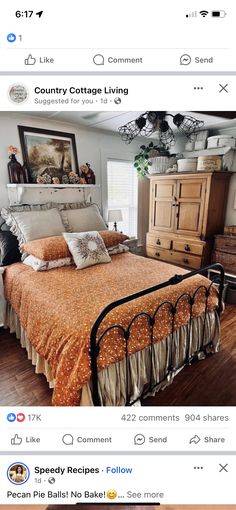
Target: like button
{"type": "Point", "coordinates": [30, 61]}
{"type": "Point", "coordinates": [16, 440]}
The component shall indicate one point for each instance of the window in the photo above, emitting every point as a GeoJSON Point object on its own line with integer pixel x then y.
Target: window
{"type": "Point", "coordinates": [123, 194]}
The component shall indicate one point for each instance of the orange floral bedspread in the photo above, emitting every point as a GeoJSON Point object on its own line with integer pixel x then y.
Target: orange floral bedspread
{"type": "Point", "coordinates": [57, 308]}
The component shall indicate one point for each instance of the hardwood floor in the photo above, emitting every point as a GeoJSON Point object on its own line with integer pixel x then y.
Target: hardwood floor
{"type": "Point", "coordinates": [19, 385]}
{"type": "Point", "coordinates": [208, 382]}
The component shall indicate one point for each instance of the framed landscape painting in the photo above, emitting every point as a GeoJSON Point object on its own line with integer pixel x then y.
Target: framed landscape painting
{"type": "Point", "coordinates": [48, 153]}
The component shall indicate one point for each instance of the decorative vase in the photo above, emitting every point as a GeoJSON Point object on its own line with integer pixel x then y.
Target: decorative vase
{"type": "Point", "coordinates": [18, 174]}
{"type": "Point", "coordinates": [90, 175]}
{"type": "Point", "coordinates": [25, 174]}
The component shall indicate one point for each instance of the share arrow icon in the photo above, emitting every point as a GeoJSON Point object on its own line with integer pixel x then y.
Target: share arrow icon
{"type": "Point", "coordinates": [39, 14]}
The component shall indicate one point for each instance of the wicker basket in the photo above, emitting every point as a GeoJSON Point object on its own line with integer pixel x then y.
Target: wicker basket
{"type": "Point", "coordinates": [230, 230]}
{"type": "Point", "coordinates": [160, 164]}
{"type": "Point", "coordinates": [226, 244]}
{"type": "Point", "coordinates": [228, 260]}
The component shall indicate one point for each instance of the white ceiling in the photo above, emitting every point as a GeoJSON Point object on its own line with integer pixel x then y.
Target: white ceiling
{"type": "Point", "coordinates": [110, 121]}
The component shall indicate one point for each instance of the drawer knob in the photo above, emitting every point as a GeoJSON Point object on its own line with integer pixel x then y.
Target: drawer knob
{"type": "Point", "coordinates": [157, 254]}
{"type": "Point", "coordinates": [158, 241]}
{"type": "Point", "coordinates": [186, 261]}
{"type": "Point", "coordinates": [187, 247]}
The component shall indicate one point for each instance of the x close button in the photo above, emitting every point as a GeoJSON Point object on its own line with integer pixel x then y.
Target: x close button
{"type": "Point", "coordinates": [223, 467]}
{"type": "Point", "coordinates": [223, 88]}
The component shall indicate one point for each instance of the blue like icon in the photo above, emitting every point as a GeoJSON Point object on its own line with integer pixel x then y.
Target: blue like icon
{"type": "Point", "coordinates": [11, 38]}
{"type": "Point", "coordinates": [11, 417]}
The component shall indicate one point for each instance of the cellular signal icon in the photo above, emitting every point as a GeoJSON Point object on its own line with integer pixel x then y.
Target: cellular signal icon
{"type": "Point", "coordinates": [192, 14]}
{"type": "Point", "coordinates": [204, 13]}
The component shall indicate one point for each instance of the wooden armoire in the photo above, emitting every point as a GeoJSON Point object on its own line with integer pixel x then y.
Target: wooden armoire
{"type": "Point", "coordinates": [186, 211]}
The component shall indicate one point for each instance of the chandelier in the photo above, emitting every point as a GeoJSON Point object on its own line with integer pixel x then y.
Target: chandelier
{"type": "Point", "coordinates": [155, 122]}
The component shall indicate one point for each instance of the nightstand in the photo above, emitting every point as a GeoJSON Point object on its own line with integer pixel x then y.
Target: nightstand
{"type": "Point", "coordinates": [132, 244]}
{"type": "Point", "coordinates": [2, 298]}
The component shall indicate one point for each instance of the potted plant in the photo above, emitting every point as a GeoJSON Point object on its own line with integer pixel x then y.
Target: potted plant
{"type": "Point", "coordinates": [153, 156]}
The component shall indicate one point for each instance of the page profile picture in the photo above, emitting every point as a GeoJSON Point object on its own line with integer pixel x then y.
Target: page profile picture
{"type": "Point", "coordinates": [18, 473]}
{"type": "Point", "coordinates": [18, 93]}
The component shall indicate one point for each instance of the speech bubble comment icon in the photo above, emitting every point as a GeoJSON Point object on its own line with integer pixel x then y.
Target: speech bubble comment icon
{"type": "Point", "coordinates": [98, 60]}
{"type": "Point", "coordinates": [68, 439]}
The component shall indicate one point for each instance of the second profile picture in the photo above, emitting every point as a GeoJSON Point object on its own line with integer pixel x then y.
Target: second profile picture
{"type": "Point", "coordinates": [18, 473]}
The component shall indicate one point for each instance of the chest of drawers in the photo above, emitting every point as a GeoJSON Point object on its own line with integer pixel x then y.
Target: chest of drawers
{"type": "Point", "coordinates": [186, 211]}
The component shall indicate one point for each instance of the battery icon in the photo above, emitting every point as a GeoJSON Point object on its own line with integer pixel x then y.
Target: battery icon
{"type": "Point", "coordinates": [218, 14]}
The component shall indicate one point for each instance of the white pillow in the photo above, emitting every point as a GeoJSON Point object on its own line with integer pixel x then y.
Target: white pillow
{"type": "Point", "coordinates": [83, 220]}
{"type": "Point", "coordinates": [118, 248]}
{"type": "Point", "coordinates": [30, 225]}
{"type": "Point", "coordinates": [87, 249]}
{"type": "Point", "coordinates": [44, 265]}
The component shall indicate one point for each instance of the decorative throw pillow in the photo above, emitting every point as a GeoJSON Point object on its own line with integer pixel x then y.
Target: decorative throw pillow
{"type": "Point", "coordinates": [63, 206]}
{"type": "Point", "coordinates": [45, 265]}
{"type": "Point", "coordinates": [28, 207]}
{"type": "Point", "coordinates": [50, 248]}
{"type": "Point", "coordinates": [85, 219]}
{"type": "Point", "coordinates": [33, 224]}
{"type": "Point", "coordinates": [87, 249]}
{"type": "Point", "coordinates": [112, 238]}
{"type": "Point", "coordinates": [9, 248]}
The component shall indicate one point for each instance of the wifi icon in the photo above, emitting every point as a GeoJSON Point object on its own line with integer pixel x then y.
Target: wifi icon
{"type": "Point", "coordinates": [204, 13]}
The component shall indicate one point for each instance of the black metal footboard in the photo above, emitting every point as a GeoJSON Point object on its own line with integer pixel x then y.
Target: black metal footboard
{"type": "Point", "coordinates": [95, 339]}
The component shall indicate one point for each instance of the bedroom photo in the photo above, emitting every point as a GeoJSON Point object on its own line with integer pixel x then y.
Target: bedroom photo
{"type": "Point", "coordinates": [118, 260]}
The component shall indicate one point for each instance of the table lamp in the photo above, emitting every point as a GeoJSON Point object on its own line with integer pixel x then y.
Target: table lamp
{"type": "Point", "coordinates": [115, 215]}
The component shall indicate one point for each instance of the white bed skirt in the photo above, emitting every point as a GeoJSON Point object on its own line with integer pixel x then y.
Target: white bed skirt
{"type": "Point", "coordinates": [112, 387]}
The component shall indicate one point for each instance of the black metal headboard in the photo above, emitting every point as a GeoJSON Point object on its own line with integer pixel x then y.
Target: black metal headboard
{"type": "Point", "coordinates": [3, 225]}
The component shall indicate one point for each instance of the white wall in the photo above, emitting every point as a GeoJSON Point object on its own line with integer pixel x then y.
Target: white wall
{"type": "Point", "coordinates": [92, 145]}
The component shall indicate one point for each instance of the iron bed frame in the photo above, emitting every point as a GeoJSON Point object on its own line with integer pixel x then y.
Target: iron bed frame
{"type": "Point", "coordinates": [96, 339]}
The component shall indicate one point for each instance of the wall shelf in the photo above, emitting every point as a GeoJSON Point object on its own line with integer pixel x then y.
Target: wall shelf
{"type": "Point", "coordinates": [216, 151]}
{"type": "Point", "coordinates": [28, 185]}
{"type": "Point", "coordinates": [16, 191]}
